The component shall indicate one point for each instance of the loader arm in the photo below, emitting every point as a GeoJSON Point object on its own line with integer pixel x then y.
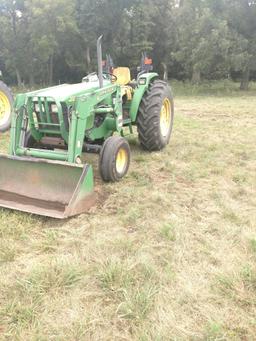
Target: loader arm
{"type": "Point", "coordinates": [54, 182]}
{"type": "Point", "coordinates": [43, 124]}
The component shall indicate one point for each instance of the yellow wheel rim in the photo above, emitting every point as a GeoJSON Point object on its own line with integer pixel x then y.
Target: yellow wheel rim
{"type": "Point", "coordinates": [5, 106]}
{"type": "Point", "coordinates": [121, 160]}
{"type": "Point", "coordinates": [165, 117]}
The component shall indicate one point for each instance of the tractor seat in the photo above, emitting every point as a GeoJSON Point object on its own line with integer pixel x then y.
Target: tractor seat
{"type": "Point", "coordinates": [123, 75]}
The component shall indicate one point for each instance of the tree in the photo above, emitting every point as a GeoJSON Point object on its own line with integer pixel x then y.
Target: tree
{"type": "Point", "coordinates": [163, 32]}
{"type": "Point", "coordinates": [203, 40]}
{"type": "Point", "coordinates": [124, 24]}
{"type": "Point", "coordinates": [46, 42]}
{"type": "Point", "coordinates": [50, 24]}
{"type": "Point", "coordinates": [13, 37]}
{"type": "Point", "coordinates": [33, 33]}
{"type": "Point", "coordinates": [241, 16]}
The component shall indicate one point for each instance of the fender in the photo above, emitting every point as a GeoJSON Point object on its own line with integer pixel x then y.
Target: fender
{"type": "Point", "coordinates": [145, 80]}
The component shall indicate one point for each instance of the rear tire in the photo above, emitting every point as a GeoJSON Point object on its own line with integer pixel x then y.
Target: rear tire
{"type": "Point", "coordinates": [6, 104]}
{"type": "Point", "coordinates": [114, 159]}
{"type": "Point", "coordinates": [155, 116]}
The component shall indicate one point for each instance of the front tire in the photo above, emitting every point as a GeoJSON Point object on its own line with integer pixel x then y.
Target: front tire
{"type": "Point", "coordinates": [155, 116]}
{"type": "Point", "coordinates": [114, 159]}
{"type": "Point", "coordinates": [6, 103]}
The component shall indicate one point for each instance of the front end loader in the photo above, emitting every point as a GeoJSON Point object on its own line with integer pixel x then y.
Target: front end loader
{"type": "Point", "coordinates": [44, 172]}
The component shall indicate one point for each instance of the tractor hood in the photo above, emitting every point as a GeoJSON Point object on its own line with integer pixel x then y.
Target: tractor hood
{"type": "Point", "coordinates": [66, 91]}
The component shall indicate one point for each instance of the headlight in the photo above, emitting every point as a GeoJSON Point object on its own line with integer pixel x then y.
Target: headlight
{"type": "Point", "coordinates": [142, 81]}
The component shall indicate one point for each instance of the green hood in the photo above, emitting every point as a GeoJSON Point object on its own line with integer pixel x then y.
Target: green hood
{"type": "Point", "coordinates": [66, 91]}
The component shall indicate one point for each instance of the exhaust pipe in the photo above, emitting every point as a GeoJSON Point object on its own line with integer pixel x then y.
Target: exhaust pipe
{"type": "Point", "coordinates": [99, 59]}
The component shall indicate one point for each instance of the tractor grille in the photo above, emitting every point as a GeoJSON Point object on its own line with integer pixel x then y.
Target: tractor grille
{"type": "Point", "coordinates": [47, 116]}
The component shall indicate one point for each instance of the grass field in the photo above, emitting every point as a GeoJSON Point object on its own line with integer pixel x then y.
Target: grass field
{"type": "Point", "coordinates": [168, 254]}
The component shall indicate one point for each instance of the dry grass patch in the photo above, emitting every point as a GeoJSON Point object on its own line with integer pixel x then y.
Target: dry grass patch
{"type": "Point", "coordinates": [168, 254]}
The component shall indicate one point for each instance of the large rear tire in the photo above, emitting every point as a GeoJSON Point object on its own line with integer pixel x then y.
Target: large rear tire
{"type": "Point", "coordinates": [114, 159]}
{"type": "Point", "coordinates": [6, 103]}
{"type": "Point", "coordinates": [155, 116]}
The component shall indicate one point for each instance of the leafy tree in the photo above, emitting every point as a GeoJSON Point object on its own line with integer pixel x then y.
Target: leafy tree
{"type": "Point", "coordinates": [203, 40]}
{"type": "Point", "coordinates": [241, 16]}
{"type": "Point", "coordinates": [124, 24]}
{"type": "Point", "coordinates": [45, 41]}
{"type": "Point", "coordinates": [163, 31]}
{"type": "Point", "coordinates": [50, 25]}
{"type": "Point", "coordinates": [13, 37]}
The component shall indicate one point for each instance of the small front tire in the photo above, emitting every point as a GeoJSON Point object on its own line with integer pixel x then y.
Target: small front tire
{"type": "Point", "coordinates": [114, 159]}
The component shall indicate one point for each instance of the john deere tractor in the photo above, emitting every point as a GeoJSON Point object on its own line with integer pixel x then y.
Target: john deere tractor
{"type": "Point", "coordinates": [44, 172]}
{"type": "Point", "coordinates": [6, 102]}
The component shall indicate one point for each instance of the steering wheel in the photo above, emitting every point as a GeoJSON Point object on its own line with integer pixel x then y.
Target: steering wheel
{"type": "Point", "coordinates": [92, 74]}
{"type": "Point", "coordinates": [89, 76]}
{"type": "Point", "coordinates": [112, 77]}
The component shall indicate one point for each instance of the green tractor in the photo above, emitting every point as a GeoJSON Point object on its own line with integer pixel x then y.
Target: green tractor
{"type": "Point", "coordinates": [44, 173]}
{"type": "Point", "coordinates": [6, 103]}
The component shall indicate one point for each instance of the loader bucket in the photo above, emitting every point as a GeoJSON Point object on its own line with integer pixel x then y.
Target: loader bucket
{"type": "Point", "coordinates": [49, 188]}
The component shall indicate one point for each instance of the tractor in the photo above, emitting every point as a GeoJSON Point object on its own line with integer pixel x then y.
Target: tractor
{"type": "Point", "coordinates": [45, 173]}
{"type": "Point", "coordinates": [6, 103]}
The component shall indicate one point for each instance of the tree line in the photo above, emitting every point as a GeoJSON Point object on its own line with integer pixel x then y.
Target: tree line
{"type": "Point", "coordinates": [46, 42]}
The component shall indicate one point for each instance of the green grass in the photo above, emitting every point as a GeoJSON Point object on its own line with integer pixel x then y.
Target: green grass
{"type": "Point", "coordinates": [168, 254]}
{"type": "Point", "coordinates": [212, 88]}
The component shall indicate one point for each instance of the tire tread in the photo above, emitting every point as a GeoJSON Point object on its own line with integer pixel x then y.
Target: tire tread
{"type": "Point", "coordinates": [148, 116]}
